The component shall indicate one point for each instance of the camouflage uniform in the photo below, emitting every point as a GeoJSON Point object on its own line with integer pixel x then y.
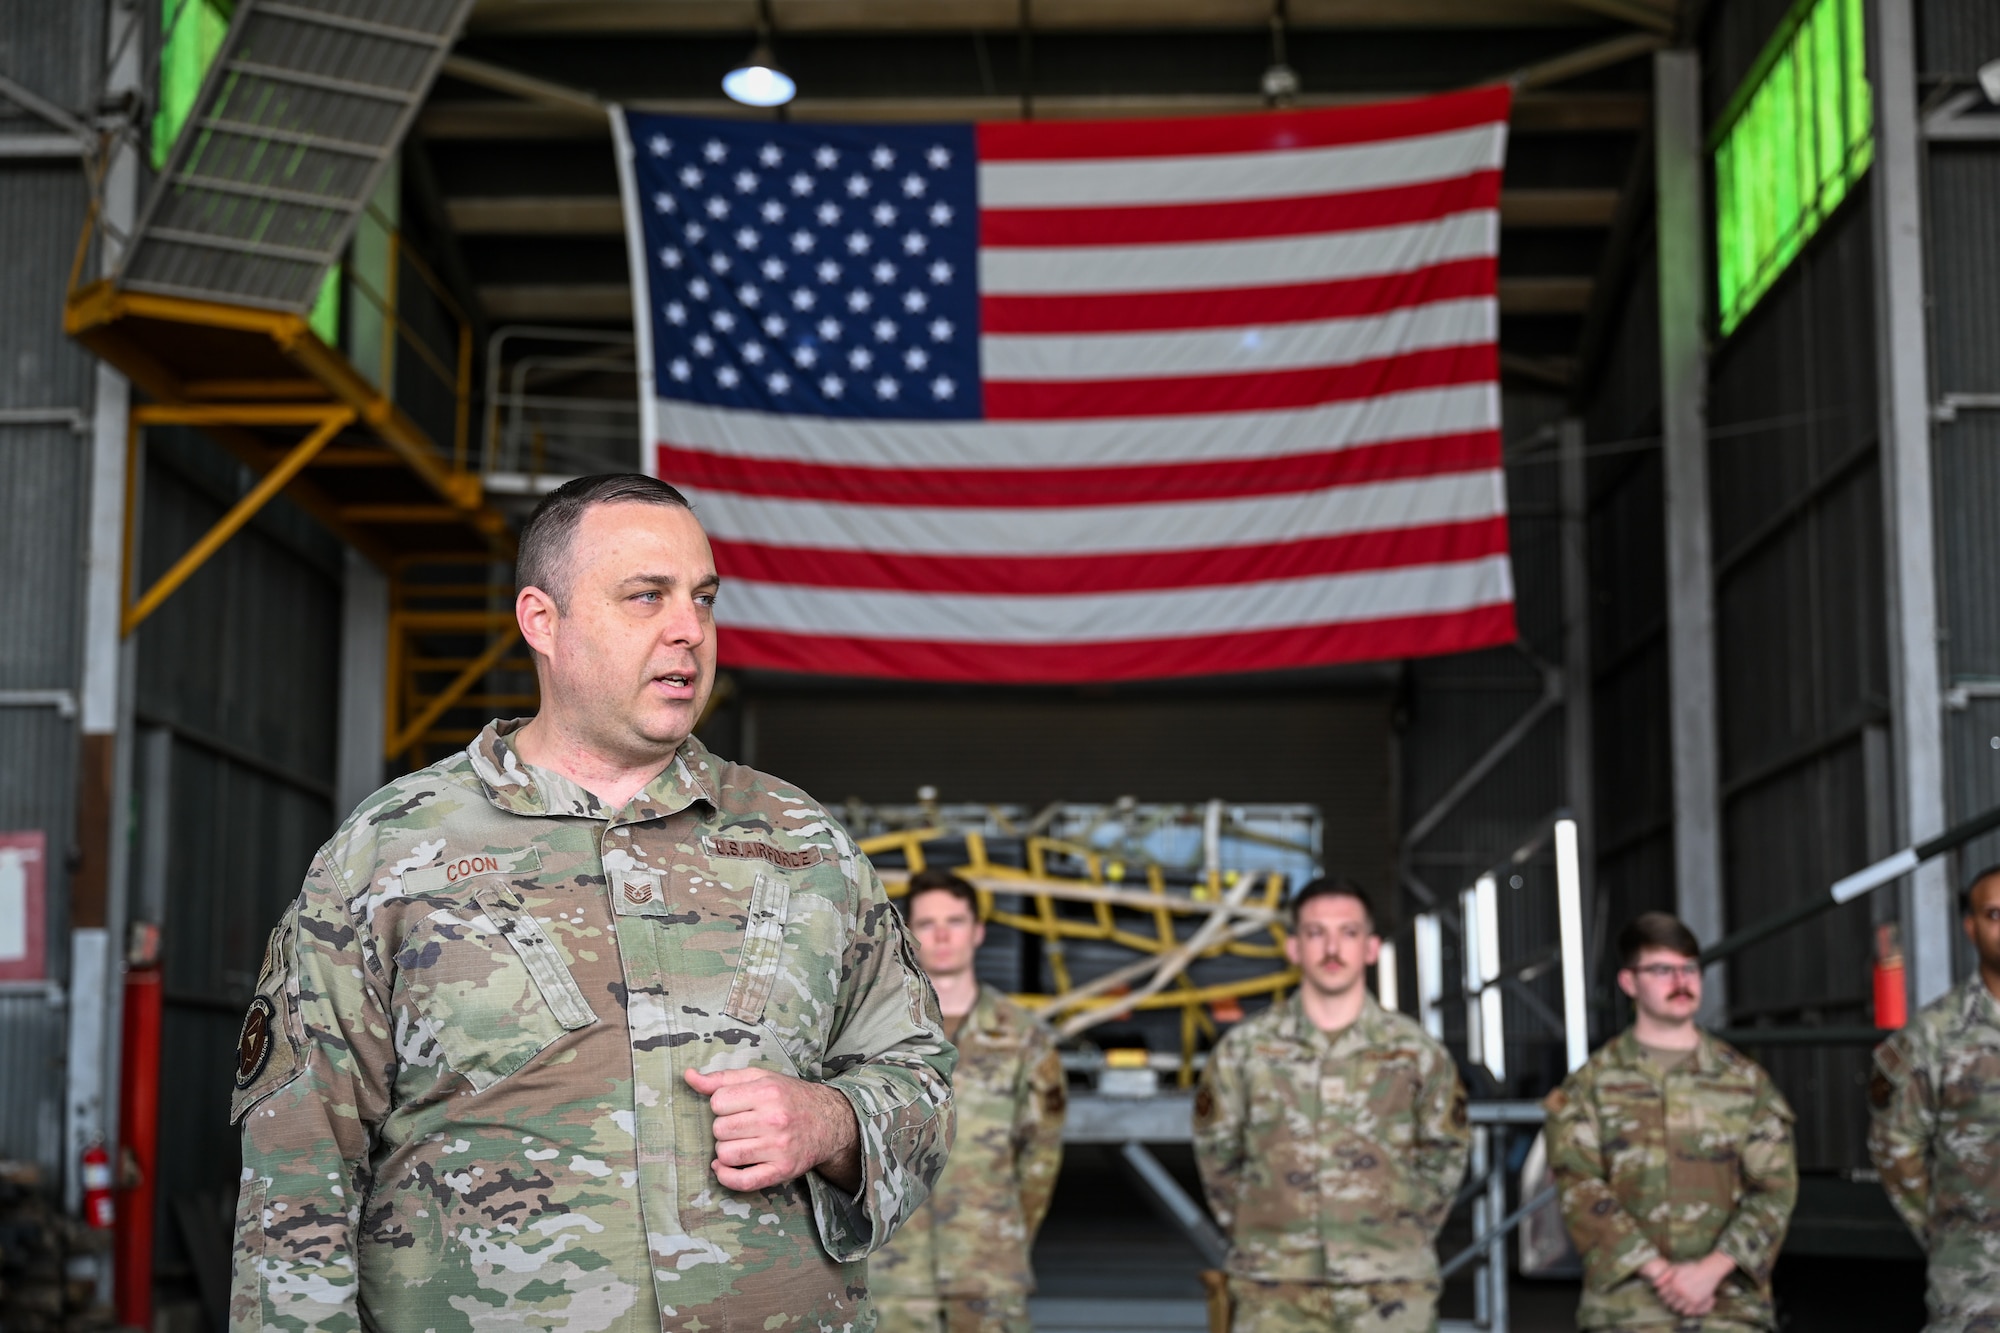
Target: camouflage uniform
{"type": "Point", "coordinates": [460, 1082]}
{"type": "Point", "coordinates": [961, 1262]}
{"type": "Point", "coordinates": [1330, 1159]}
{"type": "Point", "coordinates": [1673, 1165]}
{"type": "Point", "coordinates": [1935, 1137]}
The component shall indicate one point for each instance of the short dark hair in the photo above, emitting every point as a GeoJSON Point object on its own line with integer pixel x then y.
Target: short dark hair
{"type": "Point", "coordinates": [1655, 930]}
{"type": "Point", "coordinates": [1329, 886]}
{"type": "Point", "coordinates": [936, 879]}
{"type": "Point", "coordinates": [550, 532]}
{"type": "Point", "coordinates": [1965, 894]}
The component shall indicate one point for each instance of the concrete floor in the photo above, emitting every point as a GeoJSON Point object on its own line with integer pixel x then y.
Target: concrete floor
{"type": "Point", "coordinates": [1106, 1261]}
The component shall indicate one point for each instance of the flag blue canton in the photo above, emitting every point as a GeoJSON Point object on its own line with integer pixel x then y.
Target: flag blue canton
{"type": "Point", "coordinates": [821, 269]}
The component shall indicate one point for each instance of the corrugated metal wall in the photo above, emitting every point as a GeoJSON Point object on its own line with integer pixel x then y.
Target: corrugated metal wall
{"type": "Point", "coordinates": [1801, 669]}
{"type": "Point", "coordinates": [239, 667]}
{"type": "Point", "coordinates": [1795, 511]}
{"type": "Point", "coordinates": [44, 480]}
{"type": "Point", "coordinates": [1964, 226]}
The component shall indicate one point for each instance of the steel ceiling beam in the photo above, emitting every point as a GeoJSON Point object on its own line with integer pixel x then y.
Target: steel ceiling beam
{"type": "Point", "coordinates": [548, 118]}
{"type": "Point", "coordinates": [799, 16]}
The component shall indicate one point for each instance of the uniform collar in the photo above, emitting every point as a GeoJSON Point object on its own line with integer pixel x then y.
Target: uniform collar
{"type": "Point", "coordinates": [1626, 1050]}
{"type": "Point", "coordinates": [1977, 1007]}
{"type": "Point", "coordinates": [1365, 1030]}
{"type": "Point", "coordinates": [521, 788]}
{"type": "Point", "coordinates": [984, 1016]}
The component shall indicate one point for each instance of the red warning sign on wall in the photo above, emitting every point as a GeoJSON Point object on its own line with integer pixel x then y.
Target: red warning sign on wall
{"type": "Point", "coordinates": [23, 903]}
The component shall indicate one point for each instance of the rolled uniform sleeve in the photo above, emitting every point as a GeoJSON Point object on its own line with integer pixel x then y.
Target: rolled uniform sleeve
{"type": "Point", "coordinates": [311, 1089]}
{"type": "Point", "coordinates": [1902, 1122]}
{"type": "Point", "coordinates": [1610, 1240]}
{"type": "Point", "coordinates": [889, 1057]}
{"type": "Point", "coordinates": [1443, 1139]}
{"type": "Point", "coordinates": [1770, 1175]}
{"type": "Point", "coordinates": [1219, 1111]}
{"type": "Point", "coordinates": [1039, 1106]}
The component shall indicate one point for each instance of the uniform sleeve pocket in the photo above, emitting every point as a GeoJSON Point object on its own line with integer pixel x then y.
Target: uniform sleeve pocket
{"type": "Point", "coordinates": [763, 945]}
{"type": "Point", "coordinates": [246, 1279]}
{"type": "Point", "coordinates": [540, 956]}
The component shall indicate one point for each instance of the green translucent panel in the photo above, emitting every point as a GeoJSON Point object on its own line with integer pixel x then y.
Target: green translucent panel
{"type": "Point", "coordinates": [1800, 141]}
{"type": "Point", "coordinates": [325, 317]}
{"type": "Point", "coordinates": [194, 29]}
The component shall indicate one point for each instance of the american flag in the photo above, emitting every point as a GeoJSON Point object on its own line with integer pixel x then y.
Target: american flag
{"type": "Point", "coordinates": [1077, 401]}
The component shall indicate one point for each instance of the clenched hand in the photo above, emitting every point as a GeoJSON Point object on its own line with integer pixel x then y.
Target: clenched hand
{"type": "Point", "coordinates": [1688, 1289]}
{"type": "Point", "coordinates": [771, 1128]}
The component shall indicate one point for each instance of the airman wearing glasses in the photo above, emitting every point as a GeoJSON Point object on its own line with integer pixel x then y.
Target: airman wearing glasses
{"type": "Point", "coordinates": [1673, 1154]}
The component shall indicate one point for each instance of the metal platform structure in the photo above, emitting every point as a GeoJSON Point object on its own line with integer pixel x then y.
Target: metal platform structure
{"type": "Point", "coordinates": [207, 313]}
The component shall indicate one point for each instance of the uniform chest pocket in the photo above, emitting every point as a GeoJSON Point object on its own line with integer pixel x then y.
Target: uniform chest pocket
{"type": "Point", "coordinates": [1388, 1085]}
{"type": "Point", "coordinates": [1970, 1087]}
{"type": "Point", "coordinates": [482, 989]}
{"type": "Point", "coordinates": [763, 949]}
{"type": "Point", "coordinates": [1631, 1125]}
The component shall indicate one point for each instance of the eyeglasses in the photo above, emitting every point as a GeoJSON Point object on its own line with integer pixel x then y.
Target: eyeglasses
{"type": "Point", "coordinates": [1668, 971]}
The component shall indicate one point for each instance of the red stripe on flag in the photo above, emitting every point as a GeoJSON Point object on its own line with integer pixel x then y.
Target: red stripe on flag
{"type": "Point", "coordinates": [1194, 654]}
{"type": "Point", "coordinates": [1007, 488]}
{"type": "Point", "coordinates": [1067, 575]}
{"type": "Point", "coordinates": [1048, 140]}
{"type": "Point", "coordinates": [1069, 400]}
{"type": "Point", "coordinates": [1237, 307]}
{"type": "Point", "coordinates": [1238, 220]}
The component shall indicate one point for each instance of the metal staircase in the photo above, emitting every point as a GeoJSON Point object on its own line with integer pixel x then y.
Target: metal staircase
{"type": "Point", "coordinates": [298, 117]}
{"type": "Point", "coordinates": [206, 313]}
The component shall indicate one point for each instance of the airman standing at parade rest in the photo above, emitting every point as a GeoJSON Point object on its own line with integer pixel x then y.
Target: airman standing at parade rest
{"type": "Point", "coordinates": [1673, 1154]}
{"type": "Point", "coordinates": [1935, 1130]}
{"type": "Point", "coordinates": [583, 1027]}
{"type": "Point", "coordinates": [1331, 1136]}
{"type": "Point", "coordinates": [960, 1264]}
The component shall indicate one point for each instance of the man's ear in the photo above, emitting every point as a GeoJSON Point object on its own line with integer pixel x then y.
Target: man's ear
{"type": "Point", "coordinates": [538, 616]}
{"type": "Point", "coordinates": [1628, 983]}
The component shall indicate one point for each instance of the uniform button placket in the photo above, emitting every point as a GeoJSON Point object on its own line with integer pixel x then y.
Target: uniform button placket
{"type": "Point", "coordinates": [652, 1125]}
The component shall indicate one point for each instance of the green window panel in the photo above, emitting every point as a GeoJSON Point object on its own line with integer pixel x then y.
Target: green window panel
{"type": "Point", "coordinates": [1797, 137]}
{"type": "Point", "coordinates": [194, 31]}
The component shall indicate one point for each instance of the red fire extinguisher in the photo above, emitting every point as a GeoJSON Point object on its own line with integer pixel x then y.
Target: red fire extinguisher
{"type": "Point", "coordinates": [99, 1211]}
{"type": "Point", "coordinates": [1892, 1006]}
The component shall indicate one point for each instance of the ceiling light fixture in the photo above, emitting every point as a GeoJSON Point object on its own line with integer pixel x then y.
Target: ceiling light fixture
{"type": "Point", "coordinates": [758, 81]}
{"type": "Point", "coordinates": [1281, 81]}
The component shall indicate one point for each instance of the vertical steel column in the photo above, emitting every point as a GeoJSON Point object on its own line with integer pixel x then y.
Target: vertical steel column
{"type": "Point", "coordinates": [1903, 356]}
{"type": "Point", "coordinates": [364, 683]}
{"type": "Point", "coordinates": [1482, 1292]}
{"type": "Point", "coordinates": [1579, 763]}
{"type": "Point", "coordinates": [104, 700]}
{"type": "Point", "coordinates": [1497, 1313]}
{"type": "Point", "coordinates": [1690, 576]}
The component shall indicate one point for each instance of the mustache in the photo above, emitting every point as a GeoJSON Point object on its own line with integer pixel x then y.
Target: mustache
{"type": "Point", "coordinates": [1681, 995]}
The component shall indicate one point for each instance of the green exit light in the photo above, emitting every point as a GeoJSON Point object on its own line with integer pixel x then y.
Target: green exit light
{"type": "Point", "coordinates": [1796, 138]}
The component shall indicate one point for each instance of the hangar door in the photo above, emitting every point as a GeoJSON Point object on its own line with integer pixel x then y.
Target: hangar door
{"type": "Point", "coordinates": [1331, 749]}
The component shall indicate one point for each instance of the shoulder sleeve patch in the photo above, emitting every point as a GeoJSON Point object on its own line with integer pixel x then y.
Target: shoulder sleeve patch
{"type": "Point", "coordinates": [1204, 1106]}
{"type": "Point", "coordinates": [1880, 1091]}
{"type": "Point", "coordinates": [269, 1045]}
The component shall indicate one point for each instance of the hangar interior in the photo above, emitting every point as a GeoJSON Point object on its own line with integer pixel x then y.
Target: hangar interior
{"type": "Point", "coordinates": [259, 517]}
